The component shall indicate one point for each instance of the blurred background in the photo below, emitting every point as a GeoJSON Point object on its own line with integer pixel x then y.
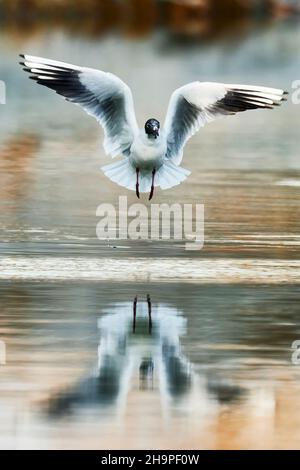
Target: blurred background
{"type": "Point", "coordinates": [187, 18]}
{"type": "Point", "coordinates": [214, 370]}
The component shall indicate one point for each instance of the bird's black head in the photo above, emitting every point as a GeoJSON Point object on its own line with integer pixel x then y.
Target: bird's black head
{"type": "Point", "coordinates": [152, 128]}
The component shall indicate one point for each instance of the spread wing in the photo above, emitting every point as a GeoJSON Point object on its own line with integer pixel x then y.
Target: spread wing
{"type": "Point", "coordinates": [100, 94]}
{"type": "Point", "coordinates": [195, 104]}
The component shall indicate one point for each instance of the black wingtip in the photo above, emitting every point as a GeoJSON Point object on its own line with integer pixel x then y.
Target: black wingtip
{"type": "Point", "coordinates": [22, 63]}
{"type": "Point", "coordinates": [22, 55]}
{"type": "Point", "coordinates": [285, 92]}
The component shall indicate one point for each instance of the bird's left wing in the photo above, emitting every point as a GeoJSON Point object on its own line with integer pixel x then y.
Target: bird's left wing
{"type": "Point", "coordinates": [100, 94]}
{"type": "Point", "coordinates": [195, 104]}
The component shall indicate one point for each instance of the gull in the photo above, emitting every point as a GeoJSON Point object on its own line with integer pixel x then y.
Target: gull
{"type": "Point", "coordinates": [151, 156]}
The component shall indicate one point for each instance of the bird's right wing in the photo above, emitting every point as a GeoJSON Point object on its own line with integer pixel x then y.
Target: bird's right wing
{"type": "Point", "coordinates": [100, 94]}
{"type": "Point", "coordinates": [195, 104]}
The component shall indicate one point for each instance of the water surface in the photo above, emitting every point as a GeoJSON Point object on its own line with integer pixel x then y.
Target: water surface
{"type": "Point", "coordinates": [213, 369]}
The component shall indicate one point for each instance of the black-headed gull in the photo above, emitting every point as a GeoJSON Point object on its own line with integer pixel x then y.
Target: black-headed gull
{"type": "Point", "coordinates": [151, 156]}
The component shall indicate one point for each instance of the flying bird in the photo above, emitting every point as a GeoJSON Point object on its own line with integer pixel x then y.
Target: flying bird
{"type": "Point", "coordinates": [151, 155]}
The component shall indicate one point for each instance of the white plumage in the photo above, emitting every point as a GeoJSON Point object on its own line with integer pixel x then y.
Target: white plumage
{"type": "Point", "coordinates": [150, 157]}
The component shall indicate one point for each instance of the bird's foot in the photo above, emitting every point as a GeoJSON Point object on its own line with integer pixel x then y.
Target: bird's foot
{"type": "Point", "coordinates": [151, 193]}
{"type": "Point", "coordinates": [152, 185]}
{"type": "Point", "coordinates": [137, 186]}
{"type": "Point", "coordinates": [149, 313]}
{"type": "Point", "coordinates": [134, 314]}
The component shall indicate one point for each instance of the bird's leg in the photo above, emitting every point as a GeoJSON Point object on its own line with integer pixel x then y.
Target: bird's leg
{"type": "Point", "coordinates": [137, 191]}
{"type": "Point", "coordinates": [149, 313]}
{"type": "Point", "coordinates": [134, 314]}
{"type": "Point", "coordinates": [152, 184]}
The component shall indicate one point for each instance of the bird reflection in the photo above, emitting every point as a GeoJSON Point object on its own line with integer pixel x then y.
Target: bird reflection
{"type": "Point", "coordinates": [146, 374]}
{"type": "Point", "coordinates": [152, 348]}
{"type": "Point", "coordinates": [224, 392]}
{"type": "Point", "coordinates": [138, 343]}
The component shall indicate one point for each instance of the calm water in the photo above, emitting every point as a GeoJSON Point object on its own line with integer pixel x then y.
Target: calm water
{"type": "Point", "coordinates": [212, 369]}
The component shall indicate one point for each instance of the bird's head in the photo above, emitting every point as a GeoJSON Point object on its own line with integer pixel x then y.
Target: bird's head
{"type": "Point", "coordinates": [152, 128]}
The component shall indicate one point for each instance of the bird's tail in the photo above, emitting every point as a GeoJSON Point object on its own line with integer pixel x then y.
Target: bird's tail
{"type": "Point", "coordinates": [124, 174]}
{"type": "Point", "coordinates": [170, 175]}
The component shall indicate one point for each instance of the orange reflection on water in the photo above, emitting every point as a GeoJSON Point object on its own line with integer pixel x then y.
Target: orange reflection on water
{"type": "Point", "coordinates": [16, 156]}
{"type": "Point", "coordinates": [143, 391]}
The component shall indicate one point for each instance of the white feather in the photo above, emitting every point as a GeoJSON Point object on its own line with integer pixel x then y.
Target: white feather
{"type": "Point", "coordinates": [109, 100]}
{"type": "Point", "coordinates": [196, 104]}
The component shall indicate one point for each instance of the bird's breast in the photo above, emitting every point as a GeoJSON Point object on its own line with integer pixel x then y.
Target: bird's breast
{"type": "Point", "coordinates": [148, 154]}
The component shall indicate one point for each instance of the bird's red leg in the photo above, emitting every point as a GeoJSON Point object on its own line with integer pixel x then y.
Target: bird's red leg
{"type": "Point", "coordinates": [137, 191]}
{"type": "Point", "coordinates": [152, 185]}
{"type": "Point", "coordinates": [149, 313]}
{"type": "Point", "coordinates": [134, 314]}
